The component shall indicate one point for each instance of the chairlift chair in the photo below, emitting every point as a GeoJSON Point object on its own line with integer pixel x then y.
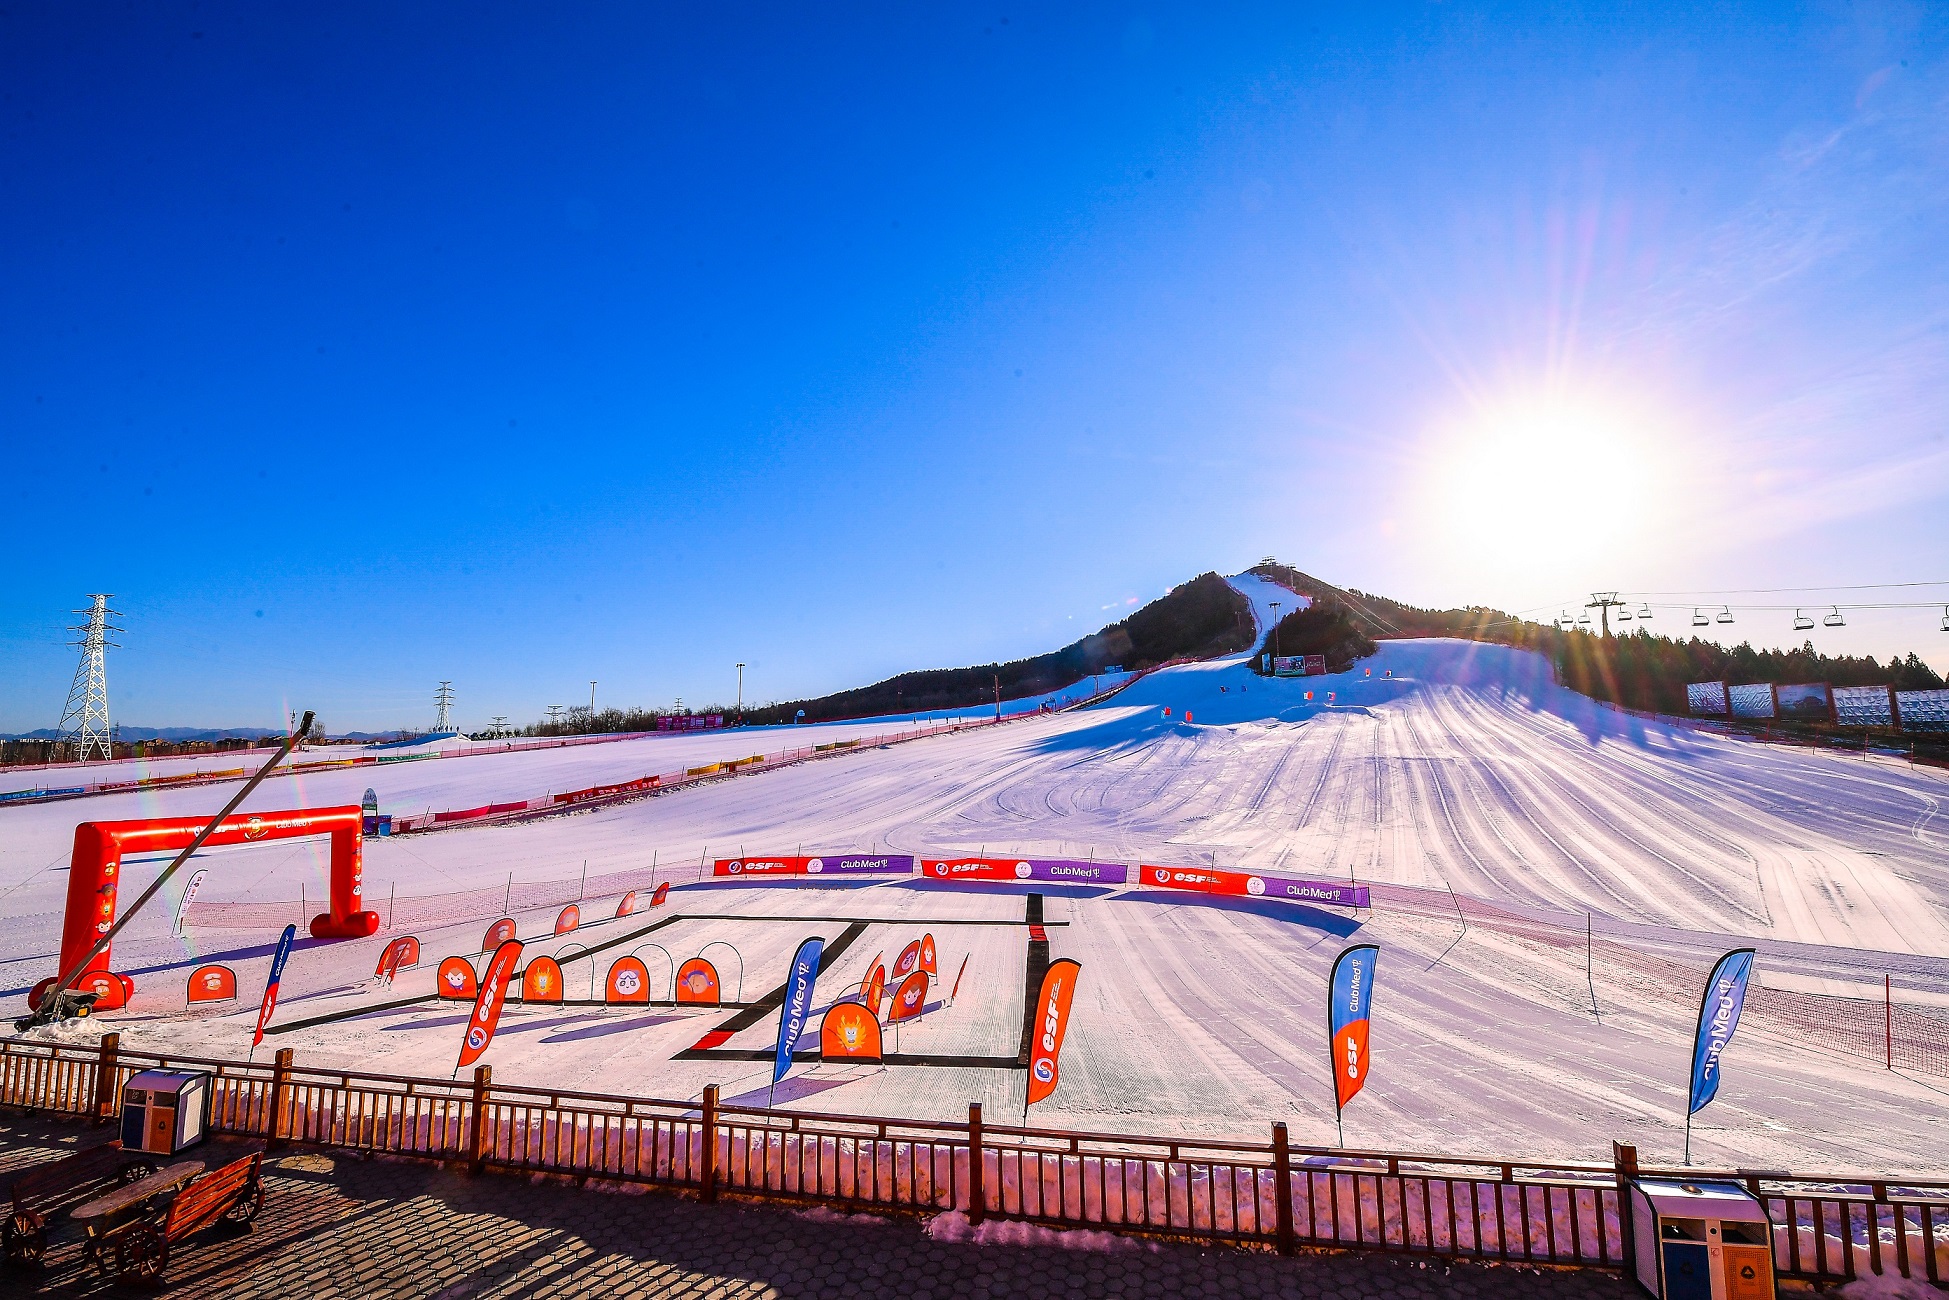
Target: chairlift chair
{"type": "Point", "coordinates": [1945, 618]}
{"type": "Point", "coordinates": [1698, 617]}
{"type": "Point", "coordinates": [1834, 619]}
{"type": "Point", "coordinates": [1624, 613]}
{"type": "Point", "coordinates": [1725, 614]}
{"type": "Point", "coordinates": [1801, 622]}
{"type": "Point", "coordinates": [1583, 619]}
{"type": "Point", "coordinates": [1644, 610]}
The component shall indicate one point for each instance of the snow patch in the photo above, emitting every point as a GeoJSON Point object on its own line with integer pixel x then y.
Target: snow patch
{"type": "Point", "coordinates": [1889, 1286]}
{"type": "Point", "coordinates": [954, 1226]}
{"type": "Point", "coordinates": [821, 1214]}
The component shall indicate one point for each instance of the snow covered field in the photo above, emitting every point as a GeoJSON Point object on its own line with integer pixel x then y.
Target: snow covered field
{"type": "Point", "coordinates": [1466, 769]}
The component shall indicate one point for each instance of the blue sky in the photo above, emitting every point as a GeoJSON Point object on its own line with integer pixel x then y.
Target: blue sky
{"type": "Point", "coordinates": [359, 348]}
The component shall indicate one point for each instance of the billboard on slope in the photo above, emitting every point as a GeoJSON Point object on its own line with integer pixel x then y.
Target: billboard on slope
{"type": "Point", "coordinates": [1807, 702]}
{"type": "Point", "coordinates": [1754, 701]}
{"type": "Point", "coordinates": [1922, 710]}
{"type": "Point", "coordinates": [1299, 665]}
{"type": "Point", "coordinates": [1707, 698]}
{"type": "Point", "coordinates": [1864, 706]}
{"type": "Point", "coordinates": [1072, 870]}
{"type": "Point", "coordinates": [1254, 884]}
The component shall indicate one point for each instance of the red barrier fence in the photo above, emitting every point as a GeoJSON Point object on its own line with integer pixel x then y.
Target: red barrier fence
{"type": "Point", "coordinates": [302, 767]}
{"type": "Point", "coordinates": [1264, 1193]}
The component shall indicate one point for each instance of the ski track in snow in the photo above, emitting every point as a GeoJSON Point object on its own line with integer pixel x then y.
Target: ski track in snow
{"type": "Point", "coordinates": [1467, 768]}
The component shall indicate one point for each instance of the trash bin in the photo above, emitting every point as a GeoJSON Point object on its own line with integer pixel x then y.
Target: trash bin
{"type": "Point", "coordinates": [1702, 1240]}
{"type": "Point", "coordinates": [164, 1111]}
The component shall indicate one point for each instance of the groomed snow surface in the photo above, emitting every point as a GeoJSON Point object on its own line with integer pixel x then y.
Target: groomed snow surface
{"type": "Point", "coordinates": [1453, 766]}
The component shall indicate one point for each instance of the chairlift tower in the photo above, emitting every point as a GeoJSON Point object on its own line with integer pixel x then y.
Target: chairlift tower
{"type": "Point", "coordinates": [1604, 602]}
{"type": "Point", "coordinates": [443, 700]}
{"type": "Point", "coordinates": [84, 722]}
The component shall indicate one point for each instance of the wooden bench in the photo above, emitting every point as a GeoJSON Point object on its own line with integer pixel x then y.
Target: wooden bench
{"type": "Point", "coordinates": [44, 1190]}
{"type": "Point", "coordinates": [142, 1247]}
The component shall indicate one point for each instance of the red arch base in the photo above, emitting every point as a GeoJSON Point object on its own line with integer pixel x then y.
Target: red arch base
{"type": "Point", "coordinates": [95, 871]}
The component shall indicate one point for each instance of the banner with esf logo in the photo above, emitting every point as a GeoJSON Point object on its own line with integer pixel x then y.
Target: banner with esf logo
{"type": "Point", "coordinates": [1073, 870]}
{"type": "Point", "coordinates": [1052, 1023]}
{"type": "Point", "coordinates": [1255, 884]}
{"type": "Point", "coordinates": [1350, 996]}
{"type": "Point", "coordinates": [487, 1006]}
{"type": "Point", "coordinates": [805, 864]}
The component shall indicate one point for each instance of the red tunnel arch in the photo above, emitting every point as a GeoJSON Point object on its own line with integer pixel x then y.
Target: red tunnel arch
{"type": "Point", "coordinates": [95, 870]}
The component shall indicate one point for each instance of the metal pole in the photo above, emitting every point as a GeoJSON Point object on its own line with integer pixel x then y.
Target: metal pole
{"type": "Point", "coordinates": [50, 1000]}
{"type": "Point", "coordinates": [1589, 975]}
{"type": "Point", "coordinates": [740, 695]}
{"type": "Point", "coordinates": [1888, 1006]}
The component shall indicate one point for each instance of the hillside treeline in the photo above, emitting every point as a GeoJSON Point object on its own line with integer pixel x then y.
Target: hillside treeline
{"type": "Point", "coordinates": [1640, 670]}
{"type": "Point", "coordinates": [1325, 627]}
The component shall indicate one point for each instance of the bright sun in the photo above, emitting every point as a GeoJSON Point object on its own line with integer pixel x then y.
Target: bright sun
{"type": "Point", "coordinates": [1548, 488]}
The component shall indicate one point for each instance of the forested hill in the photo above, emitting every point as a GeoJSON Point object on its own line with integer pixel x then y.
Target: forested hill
{"type": "Point", "coordinates": [1197, 620]}
{"type": "Point", "coordinates": [1641, 670]}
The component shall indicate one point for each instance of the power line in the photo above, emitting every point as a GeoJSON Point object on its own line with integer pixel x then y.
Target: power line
{"type": "Point", "coordinates": [1784, 591]}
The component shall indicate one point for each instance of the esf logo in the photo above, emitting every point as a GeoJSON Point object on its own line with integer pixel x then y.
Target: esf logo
{"type": "Point", "coordinates": [477, 1038]}
{"type": "Point", "coordinates": [1045, 1069]}
{"type": "Point", "coordinates": [735, 868]}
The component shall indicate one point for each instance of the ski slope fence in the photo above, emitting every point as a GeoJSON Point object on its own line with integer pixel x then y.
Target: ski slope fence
{"type": "Point", "coordinates": [303, 767]}
{"type": "Point", "coordinates": [549, 802]}
{"type": "Point", "coordinates": [1884, 1031]}
{"type": "Point", "coordinates": [1268, 1194]}
{"type": "Point", "coordinates": [1896, 1035]}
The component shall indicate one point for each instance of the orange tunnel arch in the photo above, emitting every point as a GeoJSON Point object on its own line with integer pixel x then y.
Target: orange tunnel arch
{"type": "Point", "coordinates": [95, 870]}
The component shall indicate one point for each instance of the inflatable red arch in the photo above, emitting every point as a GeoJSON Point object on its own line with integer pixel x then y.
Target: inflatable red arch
{"type": "Point", "coordinates": [95, 870]}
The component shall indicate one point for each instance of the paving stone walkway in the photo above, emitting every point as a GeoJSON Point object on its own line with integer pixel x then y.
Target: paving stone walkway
{"type": "Point", "coordinates": [335, 1225]}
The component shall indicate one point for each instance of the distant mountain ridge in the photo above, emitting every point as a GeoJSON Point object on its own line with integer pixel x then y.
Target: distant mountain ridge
{"type": "Point", "coordinates": [129, 733]}
{"type": "Point", "coordinates": [1198, 619]}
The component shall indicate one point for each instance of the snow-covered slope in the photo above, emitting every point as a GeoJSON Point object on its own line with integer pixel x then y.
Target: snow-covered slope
{"type": "Point", "coordinates": [1433, 764]}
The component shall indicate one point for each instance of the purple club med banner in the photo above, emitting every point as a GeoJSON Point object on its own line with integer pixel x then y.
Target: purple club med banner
{"type": "Point", "coordinates": [1070, 870]}
{"type": "Point", "coordinates": [884, 864]}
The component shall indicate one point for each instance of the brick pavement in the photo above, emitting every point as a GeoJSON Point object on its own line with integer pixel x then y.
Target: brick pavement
{"type": "Point", "coordinates": [334, 1225]}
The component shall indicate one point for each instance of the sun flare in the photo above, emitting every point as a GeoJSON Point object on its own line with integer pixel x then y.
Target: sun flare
{"type": "Point", "coordinates": [1547, 488]}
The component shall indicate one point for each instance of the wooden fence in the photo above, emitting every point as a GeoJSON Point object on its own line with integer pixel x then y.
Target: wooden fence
{"type": "Point", "coordinates": [1266, 1194]}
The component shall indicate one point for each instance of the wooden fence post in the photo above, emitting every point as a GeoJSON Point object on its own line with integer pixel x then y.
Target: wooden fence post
{"type": "Point", "coordinates": [707, 1177]}
{"type": "Point", "coordinates": [1282, 1189]}
{"type": "Point", "coordinates": [477, 1140]}
{"type": "Point", "coordinates": [977, 1174]}
{"type": "Point", "coordinates": [1625, 1160]}
{"type": "Point", "coordinates": [105, 1075]}
{"type": "Point", "coordinates": [280, 1082]}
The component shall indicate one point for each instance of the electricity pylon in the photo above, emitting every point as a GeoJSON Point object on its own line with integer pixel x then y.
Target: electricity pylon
{"type": "Point", "coordinates": [443, 699]}
{"type": "Point", "coordinates": [84, 722]}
